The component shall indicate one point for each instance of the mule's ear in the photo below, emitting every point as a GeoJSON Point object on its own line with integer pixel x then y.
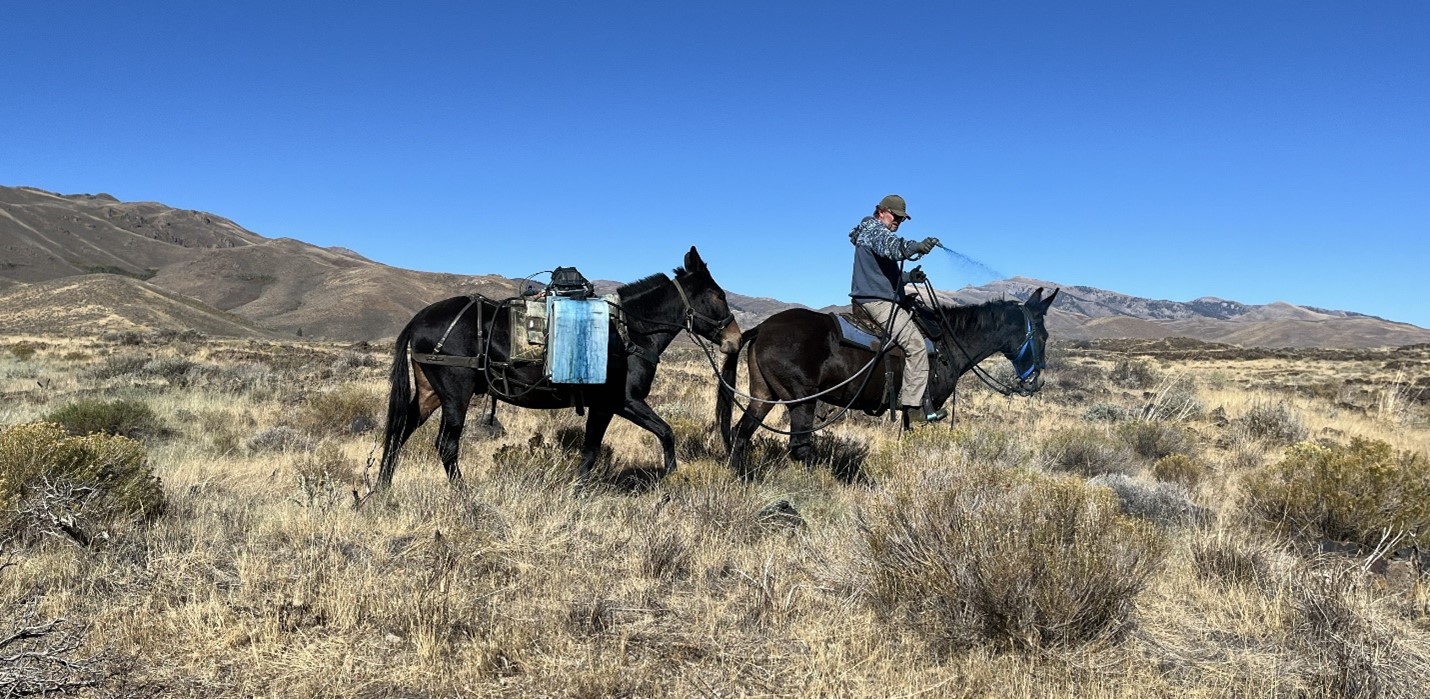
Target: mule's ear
{"type": "Point", "coordinates": [1048, 302]}
{"type": "Point", "coordinates": [693, 263]}
{"type": "Point", "coordinates": [1035, 298]}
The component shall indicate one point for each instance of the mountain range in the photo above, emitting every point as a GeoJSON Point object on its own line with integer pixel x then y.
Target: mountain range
{"type": "Point", "coordinates": [87, 263]}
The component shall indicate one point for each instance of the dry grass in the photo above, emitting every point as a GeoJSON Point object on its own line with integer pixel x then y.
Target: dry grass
{"type": "Point", "coordinates": [260, 579]}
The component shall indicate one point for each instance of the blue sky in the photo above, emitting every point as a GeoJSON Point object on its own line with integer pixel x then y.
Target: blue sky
{"type": "Point", "coordinates": [1255, 151]}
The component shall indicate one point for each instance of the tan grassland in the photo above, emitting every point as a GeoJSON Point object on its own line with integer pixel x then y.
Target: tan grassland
{"type": "Point", "coordinates": [262, 579]}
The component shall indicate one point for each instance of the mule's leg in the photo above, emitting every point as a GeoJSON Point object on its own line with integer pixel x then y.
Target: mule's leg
{"type": "Point", "coordinates": [801, 423]}
{"type": "Point", "coordinates": [639, 413]}
{"type": "Point", "coordinates": [418, 409]}
{"type": "Point", "coordinates": [755, 413]}
{"type": "Point", "coordinates": [744, 431]}
{"type": "Point", "coordinates": [596, 423]}
{"type": "Point", "coordinates": [455, 395]}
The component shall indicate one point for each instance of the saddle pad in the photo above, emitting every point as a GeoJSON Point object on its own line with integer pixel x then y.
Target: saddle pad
{"type": "Point", "coordinates": [855, 333]}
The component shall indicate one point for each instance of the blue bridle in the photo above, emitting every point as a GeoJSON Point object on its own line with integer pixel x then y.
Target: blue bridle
{"type": "Point", "coordinates": [1030, 345]}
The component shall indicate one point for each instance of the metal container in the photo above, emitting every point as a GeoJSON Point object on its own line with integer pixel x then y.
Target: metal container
{"type": "Point", "coordinates": [578, 332]}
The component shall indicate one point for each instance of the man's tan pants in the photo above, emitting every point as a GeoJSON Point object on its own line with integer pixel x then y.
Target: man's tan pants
{"type": "Point", "coordinates": [916, 358]}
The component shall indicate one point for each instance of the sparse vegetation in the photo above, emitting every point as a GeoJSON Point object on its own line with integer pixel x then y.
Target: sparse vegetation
{"type": "Point", "coordinates": [1180, 469]}
{"type": "Point", "coordinates": [55, 483]}
{"type": "Point", "coordinates": [999, 559]}
{"type": "Point", "coordinates": [1134, 373]}
{"type": "Point", "coordinates": [1066, 545]}
{"type": "Point", "coordinates": [1089, 452]}
{"type": "Point", "coordinates": [126, 417]}
{"type": "Point", "coordinates": [1154, 440]}
{"type": "Point", "coordinates": [1365, 492]}
{"type": "Point", "coordinates": [1274, 423]}
{"type": "Point", "coordinates": [23, 350]}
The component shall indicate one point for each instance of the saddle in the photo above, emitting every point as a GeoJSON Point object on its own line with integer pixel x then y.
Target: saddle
{"type": "Point", "coordinates": [858, 329]}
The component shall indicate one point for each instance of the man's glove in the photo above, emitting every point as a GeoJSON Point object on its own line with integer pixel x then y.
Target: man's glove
{"type": "Point", "coordinates": [917, 276]}
{"type": "Point", "coordinates": [925, 246]}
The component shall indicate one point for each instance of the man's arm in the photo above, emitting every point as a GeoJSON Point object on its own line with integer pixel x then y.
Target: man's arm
{"type": "Point", "coordinates": [875, 236]}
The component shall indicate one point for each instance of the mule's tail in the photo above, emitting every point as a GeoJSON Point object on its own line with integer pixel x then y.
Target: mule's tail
{"type": "Point", "coordinates": [401, 411]}
{"type": "Point", "coordinates": [724, 400]}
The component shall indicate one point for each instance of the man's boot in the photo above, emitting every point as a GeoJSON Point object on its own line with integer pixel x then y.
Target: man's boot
{"type": "Point", "coordinates": [926, 413]}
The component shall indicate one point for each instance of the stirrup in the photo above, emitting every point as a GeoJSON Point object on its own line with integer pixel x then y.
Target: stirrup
{"type": "Point", "coordinates": [923, 415]}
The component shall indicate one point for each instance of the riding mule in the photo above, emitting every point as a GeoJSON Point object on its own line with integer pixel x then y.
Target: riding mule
{"type": "Point", "coordinates": [653, 311]}
{"type": "Point", "coordinates": [796, 358]}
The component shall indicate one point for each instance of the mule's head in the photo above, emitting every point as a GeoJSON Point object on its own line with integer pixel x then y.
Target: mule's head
{"type": "Point", "coordinates": [1026, 347]}
{"type": "Point", "coordinates": [709, 312]}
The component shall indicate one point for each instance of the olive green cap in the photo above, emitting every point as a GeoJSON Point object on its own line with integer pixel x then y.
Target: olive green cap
{"type": "Point", "coordinates": [894, 204]}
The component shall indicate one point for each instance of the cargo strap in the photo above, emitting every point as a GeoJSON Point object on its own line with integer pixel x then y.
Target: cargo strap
{"type": "Point", "coordinates": [436, 357]}
{"type": "Point", "coordinates": [619, 314]}
{"type": "Point", "coordinates": [448, 360]}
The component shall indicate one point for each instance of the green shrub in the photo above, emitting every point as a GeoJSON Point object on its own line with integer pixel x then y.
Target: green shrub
{"type": "Point", "coordinates": [1175, 399]}
{"type": "Point", "coordinates": [1356, 492]}
{"type": "Point", "coordinates": [323, 476]}
{"type": "Point", "coordinates": [1134, 373]}
{"type": "Point", "coordinates": [992, 557]}
{"type": "Point", "coordinates": [93, 477]}
{"type": "Point", "coordinates": [1107, 412]}
{"type": "Point", "coordinates": [125, 417]}
{"type": "Point", "coordinates": [1180, 469]}
{"type": "Point", "coordinates": [336, 412]}
{"type": "Point", "coordinates": [1274, 423]}
{"type": "Point", "coordinates": [22, 350]}
{"type": "Point", "coordinates": [1153, 440]}
{"type": "Point", "coordinates": [118, 365]}
{"type": "Point", "coordinates": [1166, 504]}
{"type": "Point", "coordinates": [279, 439]}
{"type": "Point", "coordinates": [1088, 451]}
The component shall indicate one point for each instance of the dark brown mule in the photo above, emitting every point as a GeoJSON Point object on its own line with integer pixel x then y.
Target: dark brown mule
{"type": "Point", "coordinates": [654, 310]}
{"type": "Point", "coordinates": [796, 358]}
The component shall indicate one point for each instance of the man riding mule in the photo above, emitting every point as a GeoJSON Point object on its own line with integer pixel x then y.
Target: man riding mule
{"type": "Point", "coordinates": [878, 288]}
{"type": "Point", "coordinates": [799, 358]}
{"type": "Point", "coordinates": [456, 349]}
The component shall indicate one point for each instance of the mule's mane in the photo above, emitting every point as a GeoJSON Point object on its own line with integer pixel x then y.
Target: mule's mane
{"type": "Point", "coordinates": [643, 285]}
{"type": "Point", "coordinates": [640, 286]}
{"type": "Point", "coordinates": [979, 316]}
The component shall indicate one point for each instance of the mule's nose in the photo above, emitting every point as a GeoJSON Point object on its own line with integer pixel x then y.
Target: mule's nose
{"type": "Point", "coordinates": [730, 338]}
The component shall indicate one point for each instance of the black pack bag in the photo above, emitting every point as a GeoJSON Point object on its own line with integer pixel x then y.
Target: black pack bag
{"type": "Point", "coordinates": [567, 282]}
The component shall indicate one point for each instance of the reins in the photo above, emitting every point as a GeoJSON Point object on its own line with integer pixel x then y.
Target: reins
{"type": "Point", "coordinates": [866, 371]}
{"type": "Point", "coordinates": [1029, 344]}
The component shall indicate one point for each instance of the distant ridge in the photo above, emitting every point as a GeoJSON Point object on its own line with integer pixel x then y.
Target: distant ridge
{"type": "Point", "coordinates": [90, 260]}
{"type": "Point", "coordinates": [95, 303]}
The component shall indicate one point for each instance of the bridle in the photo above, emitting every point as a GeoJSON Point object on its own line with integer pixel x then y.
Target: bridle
{"type": "Point", "coordinates": [687, 323]}
{"type": "Point", "coordinates": [1027, 378]}
{"type": "Point", "coordinates": [691, 314]}
{"type": "Point", "coordinates": [1030, 344]}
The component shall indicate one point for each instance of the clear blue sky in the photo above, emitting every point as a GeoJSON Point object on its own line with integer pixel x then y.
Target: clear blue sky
{"type": "Point", "coordinates": [1255, 151]}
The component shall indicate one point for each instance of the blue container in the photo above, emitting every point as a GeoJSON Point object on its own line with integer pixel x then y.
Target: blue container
{"type": "Point", "coordinates": [578, 330]}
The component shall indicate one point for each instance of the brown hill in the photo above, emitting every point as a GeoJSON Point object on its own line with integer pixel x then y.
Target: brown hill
{"type": "Point", "coordinates": [284, 285]}
{"type": "Point", "coordinates": [94, 303]}
{"type": "Point", "coordinates": [289, 285]}
{"type": "Point", "coordinates": [280, 285]}
{"type": "Point", "coordinates": [45, 236]}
